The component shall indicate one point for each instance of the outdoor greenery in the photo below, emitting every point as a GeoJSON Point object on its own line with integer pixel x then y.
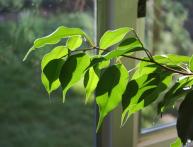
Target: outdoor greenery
{"type": "Point", "coordinates": [27, 117]}
{"type": "Point", "coordinates": [114, 84]}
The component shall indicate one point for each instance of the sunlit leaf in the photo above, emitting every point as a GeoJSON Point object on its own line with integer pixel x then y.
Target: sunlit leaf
{"type": "Point", "coordinates": [56, 36]}
{"type": "Point", "coordinates": [191, 64]}
{"type": "Point", "coordinates": [144, 68]}
{"type": "Point", "coordinates": [177, 143]}
{"type": "Point", "coordinates": [143, 91]}
{"type": "Point", "coordinates": [50, 74]}
{"type": "Point", "coordinates": [109, 90]}
{"type": "Point", "coordinates": [100, 61]}
{"type": "Point", "coordinates": [90, 82]}
{"type": "Point", "coordinates": [73, 70]}
{"type": "Point", "coordinates": [112, 37]}
{"type": "Point", "coordinates": [56, 53]}
{"type": "Point", "coordinates": [185, 119]}
{"type": "Point", "coordinates": [74, 42]}
{"type": "Point", "coordinates": [171, 59]}
{"type": "Point", "coordinates": [126, 46]}
{"type": "Point", "coordinates": [177, 91]}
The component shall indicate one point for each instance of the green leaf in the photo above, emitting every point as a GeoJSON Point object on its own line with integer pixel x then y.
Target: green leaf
{"type": "Point", "coordinates": [109, 90]}
{"type": "Point", "coordinates": [56, 53]}
{"type": "Point", "coordinates": [171, 59]}
{"type": "Point", "coordinates": [177, 143]}
{"type": "Point", "coordinates": [143, 91]}
{"type": "Point", "coordinates": [74, 42]}
{"type": "Point", "coordinates": [112, 37]}
{"type": "Point", "coordinates": [51, 74]}
{"type": "Point", "coordinates": [90, 82]}
{"type": "Point", "coordinates": [56, 36]}
{"type": "Point", "coordinates": [191, 64]}
{"type": "Point", "coordinates": [144, 68]}
{"type": "Point", "coordinates": [127, 46]}
{"type": "Point", "coordinates": [178, 90]}
{"type": "Point", "coordinates": [73, 70]}
{"type": "Point", "coordinates": [185, 119]}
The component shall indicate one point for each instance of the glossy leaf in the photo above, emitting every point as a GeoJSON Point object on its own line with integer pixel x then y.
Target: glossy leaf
{"type": "Point", "coordinates": [191, 64]}
{"type": "Point", "coordinates": [56, 53]}
{"type": "Point", "coordinates": [112, 37]}
{"type": "Point", "coordinates": [143, 91]}
{"type": "Point", "coordinates": [50, 74]}
{"type": "Point", "coordinates": [109, 90]}
{"type": "Point", "coordinates": [185, 119]}
{"type": "Point", "coordinates": [56, 36]}
{"type": "Point", "coordinates": [74, 42]}
{"type": "Point", "coordinates": [177, 143]}
{"type": "Point", "coordinates": [73, 70]}
{"type": "Point", "coordinates": [178, 90]}
{"type": "Point", "coordinates": [90, 82]}
{"type": "Point", "coordinates": [126, 46]}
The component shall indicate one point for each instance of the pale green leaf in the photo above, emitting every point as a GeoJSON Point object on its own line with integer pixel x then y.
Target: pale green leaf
{"type": "Point", "coordinates": [56, 36]}
{"type": "Point", "coordinates": [112, 37]}
{"type": "Point", "coordinates": [110, 89]}
{"type": "Point", "coordinates": [56, 53]}
{"type": "Point", "coordinates": [73, 70]}
{"type": "Point", "coordinates": [74, 42]}
{"type": "Point", "coordinates": [90, 82]}
{"type": "Point", "coordinates": [177, 143]}
{"type": "Point", "coordinates": [126, 46]}
{"type": "Point", "coordinates": [191, 64]}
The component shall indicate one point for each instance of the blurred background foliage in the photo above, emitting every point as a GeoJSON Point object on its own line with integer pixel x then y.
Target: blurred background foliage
{"type": "Point", "coordinates": [27, 116]}
{"type": "Point", "coordinates": [168, 30]}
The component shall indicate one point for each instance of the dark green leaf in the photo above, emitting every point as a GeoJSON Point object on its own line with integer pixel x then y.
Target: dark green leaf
{"type": "Point", "coordinates": [74, 42]}
{"type": "Point", "coordinates": [109, 90]}
{"type": "Point", "coordinates": [90, 82]}
{"type": "Point", "coordinates": [185, 119]}
{"type": "Point", "coordinates": [143, 91]}
{"type": "Point", "coordinates": [126, 46]}
{"type": "Point", "coordinates": [56, 53]}
{"type": "Point", "coordinates": [56, 36]}
{"type": "Point", "coordinates": [112, 37]}
{"type": "Point", "coordinates": [73, 70]}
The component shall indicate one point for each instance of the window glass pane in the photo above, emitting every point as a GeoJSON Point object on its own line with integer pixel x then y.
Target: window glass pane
{"type": "Point", "coordinates": [28, 118]}
{"type": "Point", "coordinates": [168, 30]}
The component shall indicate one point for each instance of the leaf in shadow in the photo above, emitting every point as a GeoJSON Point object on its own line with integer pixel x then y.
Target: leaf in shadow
{"type": "Point", "coordinates": [109, 90]}
{"type": "Point", "coordinates": [176, 92]}
{"type": "Point", "coordinates": [185, 119]}
{"type": "Point", "coordinates": [50, 74]}
{"type": "Point", "coordinates": [73, 70]}
{"type": "Point", "coordinates": [142, 91]}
